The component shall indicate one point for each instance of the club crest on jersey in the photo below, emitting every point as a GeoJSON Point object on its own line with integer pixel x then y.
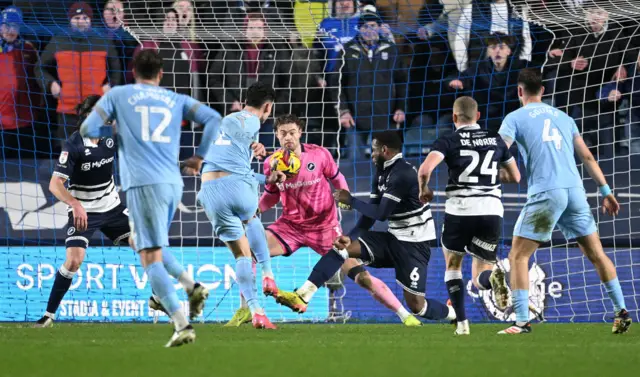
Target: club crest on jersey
{"type": "Point", "coordinates": [64, 156]}
{"type": "Point", "coordinates": [71, 230]}
{"type": "Point", "coordinates": [87, 152]}
{"type": "Point", "coordinates": [311, 166]}
{"type": "Point", "coordinates": [385, 55]}
{"type": "Point", "coordinates": [109, 143]}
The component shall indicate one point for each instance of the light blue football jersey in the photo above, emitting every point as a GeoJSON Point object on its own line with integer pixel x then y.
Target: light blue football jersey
{"type": "Point", "coordinates": [545, 139]}
{"type": "Point", "coordinates": [231, 151]}
{"type": "Point", "coordinates": [149, 123]}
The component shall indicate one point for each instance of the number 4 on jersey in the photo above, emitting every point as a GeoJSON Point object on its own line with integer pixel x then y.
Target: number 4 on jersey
{"type": "Point", "coordinates": [553, 135]}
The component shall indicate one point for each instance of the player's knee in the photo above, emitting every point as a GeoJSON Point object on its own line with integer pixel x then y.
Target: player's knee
{"type": "Point", "coordinates": [75, 257]}
{"type": "Point", "coordinates": [362, 277]}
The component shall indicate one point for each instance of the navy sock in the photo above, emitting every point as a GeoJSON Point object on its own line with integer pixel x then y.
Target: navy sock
{"type": "Point", "coordinates": [455, 287]}
{"type": "Point", "coordinates": [326, 267]}
{"type": "Point", "coordinates": [434, 310]}
{"type": "Point", "coordinates": [60, 287]}
{"type": "Point", "coordinates": [483, 279]}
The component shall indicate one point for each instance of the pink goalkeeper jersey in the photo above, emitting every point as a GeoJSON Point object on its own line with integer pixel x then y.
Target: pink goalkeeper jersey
{"type": "Point", "coordinates": [307, 198]}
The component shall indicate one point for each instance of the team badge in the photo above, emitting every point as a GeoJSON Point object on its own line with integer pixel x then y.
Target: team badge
{"type": "Point", "coordinates": [71, 230]}
{"type": "Point", "coordinates": [311, 166]}
{"type": "Point", "coordinates": [64, 156]}
{"type": "Point", "coordinates": [385, 55]}
{"type": "Point", "coordinates": [109, 143]}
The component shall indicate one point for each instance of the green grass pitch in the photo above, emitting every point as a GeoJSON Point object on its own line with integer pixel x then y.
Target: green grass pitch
{"type": "Point", "coordinates": [85, 350]}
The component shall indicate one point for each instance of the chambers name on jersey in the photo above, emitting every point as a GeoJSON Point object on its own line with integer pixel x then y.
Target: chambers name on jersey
{"type": "Point", "coordinates": [88, 167]}
{"type": "Point", "coordinates": [473, 156]}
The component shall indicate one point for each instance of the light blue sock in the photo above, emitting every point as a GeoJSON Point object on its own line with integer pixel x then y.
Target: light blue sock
{"type": "Point", "coordinates": [258, 243]}
{"type": "Point", "coordinates": [163, 287]}
{"type": "Point", "coordinates": [244, 278]}
{"type": "Point", "coordinates": [615, 294]}
{"type": "Point", "coordinates": [171, 264]}
{"type": "Point", "coordinates": [521, 304]}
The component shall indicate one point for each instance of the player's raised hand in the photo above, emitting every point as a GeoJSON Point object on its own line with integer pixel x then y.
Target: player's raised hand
{"type": "Point", "coordinates": [276, 177]}
{"type": "Point", "coordinates": [610, 205]}
{"type": "Point", "coordinates": [342, 196]}
{"type": "Point", "coordinates": [259, 150]}
{"type": "Point", "coordinates": [342, 242]}
{"type": "Point", "coordinates": [79, 217]}
{"type": "Point", "coordinates": [192, 165]}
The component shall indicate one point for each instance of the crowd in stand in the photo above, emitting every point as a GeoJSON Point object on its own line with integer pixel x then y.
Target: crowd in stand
{"type": "Point", "coordinates": [366, 68]}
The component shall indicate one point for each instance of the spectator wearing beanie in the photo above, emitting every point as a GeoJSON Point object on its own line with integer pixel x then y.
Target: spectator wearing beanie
{"type": "Point", "coordinates": [20, 95]}
{"type": "Point", "coordinates": [75, 65]}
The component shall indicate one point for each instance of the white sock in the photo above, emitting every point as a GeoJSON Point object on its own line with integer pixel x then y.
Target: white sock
{"type": "Point", "coordinates": [50, 315]}
{"type": "Point", "coordinates": [268, 274]}
{"type": "Point", "coordinates": [307, 291]}
{"type": "Point", "coordinates": [179, 320]}
{"type": "Point", "coordinates": [452, 313]}
{"type": "Point", "coordinates": [187, 282]}
{"type": "Point", "coordinates": [403, 313]}
{"type": "Point", "coordinates": [243, 303]}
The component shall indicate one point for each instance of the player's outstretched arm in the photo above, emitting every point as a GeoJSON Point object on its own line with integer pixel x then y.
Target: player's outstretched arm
{"type": "Point", "coordinates": [424, 175]}
{"type": "Point", "coordinates": [197, 112]}
{"type": "Point", "coordinates": [98, 123]}
{"type": "Point", "coordinates": [609, 203]}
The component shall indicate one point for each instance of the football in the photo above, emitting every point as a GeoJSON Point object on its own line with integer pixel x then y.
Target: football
{"type": "Point", "coordinates": [285, 161]}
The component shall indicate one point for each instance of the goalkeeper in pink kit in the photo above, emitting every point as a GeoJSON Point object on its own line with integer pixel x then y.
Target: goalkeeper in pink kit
{"type": "Point", "coordinates": [309, 212]}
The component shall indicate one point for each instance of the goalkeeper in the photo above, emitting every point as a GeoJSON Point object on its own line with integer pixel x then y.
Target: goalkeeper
{"type": "Point", "coordinates": [309, 212]}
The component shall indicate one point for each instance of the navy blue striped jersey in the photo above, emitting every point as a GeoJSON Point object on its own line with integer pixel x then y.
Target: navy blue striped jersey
{"type": "Point", "coordinates": [473, 156]}
{"type": "Point", "coordinates": [410, 220]}
{"type": "Point", "coordinates": [88, 167]}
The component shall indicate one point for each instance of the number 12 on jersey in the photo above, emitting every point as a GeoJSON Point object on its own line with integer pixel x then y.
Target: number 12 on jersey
{"type": "Point", "coordinates": [157, 136]}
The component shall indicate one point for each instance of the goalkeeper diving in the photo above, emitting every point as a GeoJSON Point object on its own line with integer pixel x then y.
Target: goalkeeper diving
{"type": "Point", "coordinates": [309, 216]}
{"type": "Point", "coordinates": [547, 139]}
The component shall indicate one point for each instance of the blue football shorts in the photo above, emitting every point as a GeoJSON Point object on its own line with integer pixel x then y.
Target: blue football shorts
{"type": "Point", "coordinates": [151, 209]}
{"type": "Point", "coordinates": [568, 208]}
{"type": "Point", "coordinates": [229, 202]}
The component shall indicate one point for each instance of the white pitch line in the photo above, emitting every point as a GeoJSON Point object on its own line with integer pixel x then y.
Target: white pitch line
{"type": "Point", "coordinates": [519, 196]}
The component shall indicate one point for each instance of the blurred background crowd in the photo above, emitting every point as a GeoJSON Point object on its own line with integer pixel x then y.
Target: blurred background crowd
{"type": "Point", "coordinates": [347, 67]}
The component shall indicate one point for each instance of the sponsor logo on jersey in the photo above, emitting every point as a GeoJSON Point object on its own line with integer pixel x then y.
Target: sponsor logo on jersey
{"type": "Point", "coordinates": [297, 185]}
{"type": "Point", "coordinates": [86, 166]}
{"type": "Point", "coordinates": [64, 156]}
{"type": "Point", "coordinates": [109, 143]}
{"type": "Point", "coordinates": [538, 292]}
{"type": "Point", "coordinates": [98, 164]}
{"type": "Point", "coordinates": [87, 152]}
{"type": "Point", "coordinates": [311, 166]}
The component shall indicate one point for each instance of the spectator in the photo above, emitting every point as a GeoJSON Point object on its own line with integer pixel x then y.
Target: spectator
{"type": "Point", "coordinates": [627, 91]}
{"type": "Point", "coordinates": [334, 32]}
{"type": "Point", "coordinates": [255, 59]}
{"type": "Point", "coordinates": [20, 95]}
{"type": "Point", "coordinates": [588, 61]}
{"type": "Point", "coordinates": [182, 60]}
{"type": "Point", "coordinates": [115, 18]}
{"type": "Point", "coordinates": [492, 82]}
{"type": "Point", "coordinates": [373, 86]}
{"type": "Point", "coordinates": [76, 65]}
{"type": "Point", "coordinates": [307, 82]}
{"type": "Point", "coordinates": [480, 19]}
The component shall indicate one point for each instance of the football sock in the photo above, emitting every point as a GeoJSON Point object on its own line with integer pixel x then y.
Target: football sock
{"type": "Point", "coordinates": [615, 294]}
{"type": "Point", "coordinates": [258, 243]}
{"type": "Point", "coordinates": [163, 287]}
{"type": "Point", "coordinates": [175, 269]}
{"type": "Point", "coordinates": [484, 281]}
{"type": "Point", "coordinates": [433, 310]}
{"type": "Point", "coordinates": [326, 267]}
{"type": "Point", "coordinates": [455, 287]}
{"type": "Point", "coordinates": [60, 287]}
{"type": "Point", "coordinates": [244, 278]}
{"type": "Point", "coordinates": [521, 305]}
{"type": "Point", "coordinates": [381, 292]}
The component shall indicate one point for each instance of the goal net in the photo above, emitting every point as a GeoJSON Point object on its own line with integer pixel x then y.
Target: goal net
{"type": "Point", "coordinates": [408, 62]}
